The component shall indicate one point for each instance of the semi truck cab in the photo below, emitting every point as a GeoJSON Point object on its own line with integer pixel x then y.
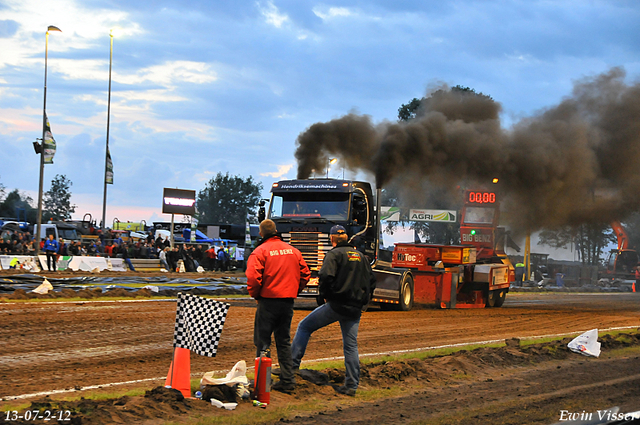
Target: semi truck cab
{"type": "Point", "coordinates": [305, 210]}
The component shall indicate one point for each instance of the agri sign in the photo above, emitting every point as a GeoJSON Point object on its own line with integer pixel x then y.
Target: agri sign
{"type": "Point", "coordinates": [433, 215]}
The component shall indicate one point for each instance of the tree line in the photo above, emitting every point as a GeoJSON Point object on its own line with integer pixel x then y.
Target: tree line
{"type": "Point", "coordinates": [225, 199]}
{"type": "Point", "coordinates": [56, 202]}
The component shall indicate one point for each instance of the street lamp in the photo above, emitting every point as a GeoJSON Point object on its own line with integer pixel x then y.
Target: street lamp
{"type": "Point", "coordinates": [44, 125]}
{"type": "Point", "coordinates": [106, 154]}
{"type": "Point", "coordinates": [329, 162]}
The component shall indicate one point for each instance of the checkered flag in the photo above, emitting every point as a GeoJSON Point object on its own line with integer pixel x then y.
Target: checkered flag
{"type": "Point", "coordinates": [199, 323]}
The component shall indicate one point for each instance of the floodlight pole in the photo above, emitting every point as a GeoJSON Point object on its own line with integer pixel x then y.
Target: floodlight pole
{"type": "Point", "coordinates": [38, 231]}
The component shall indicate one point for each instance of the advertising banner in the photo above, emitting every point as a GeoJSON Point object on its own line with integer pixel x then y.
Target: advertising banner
{"type": "Point", "coordinates": [442, 216]}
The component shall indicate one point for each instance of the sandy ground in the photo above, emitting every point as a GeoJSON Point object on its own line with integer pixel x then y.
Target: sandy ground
{"type": "Point", "coordinates": [53, 346]}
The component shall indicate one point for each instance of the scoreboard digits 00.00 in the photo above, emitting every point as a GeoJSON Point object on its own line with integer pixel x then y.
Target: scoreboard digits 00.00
{"type": "Point", "coordinates": [475, 197]}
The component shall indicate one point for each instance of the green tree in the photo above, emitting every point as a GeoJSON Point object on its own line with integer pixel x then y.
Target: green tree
{"type": "Point", "coordinates": [2, 192]}
{"type": "Point", "coordinates": [228, 199]}
{"type": "Point", "coordinates": [16, 201]}
{"type": "Point", "coordinates": [632, 227]}
{"type": "Point", "coordinates": [589, 240]}
{"type": "Point", "coordinates": [57, 200]}
{"type": "Point", "coordinates": [409, 110]}
{"type": "Point", "coordinates": [416, 107]}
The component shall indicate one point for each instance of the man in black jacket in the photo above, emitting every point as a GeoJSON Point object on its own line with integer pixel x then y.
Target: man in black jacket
{"type": "Point", "coordinates": [346, 285]}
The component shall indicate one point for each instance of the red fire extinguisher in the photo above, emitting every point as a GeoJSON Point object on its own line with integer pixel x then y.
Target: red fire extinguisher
{"type": "Point", "coordinates": [262, 383]}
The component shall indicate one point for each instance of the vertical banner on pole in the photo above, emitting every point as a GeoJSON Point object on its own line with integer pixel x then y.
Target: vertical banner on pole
{"type": "Point", "coordinates": [49, 143]}
{"type": "Point", "coordinates": [108, 178]}
{"type": "Point", "coordinates": [194, 227]}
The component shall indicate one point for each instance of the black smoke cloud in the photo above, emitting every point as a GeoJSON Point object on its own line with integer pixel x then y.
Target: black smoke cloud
{"type": "Point", "coordinates": [578, 162]}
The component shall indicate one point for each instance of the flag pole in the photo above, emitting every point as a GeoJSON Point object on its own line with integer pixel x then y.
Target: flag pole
{"type": "Point", "coordinates": [106, 153]}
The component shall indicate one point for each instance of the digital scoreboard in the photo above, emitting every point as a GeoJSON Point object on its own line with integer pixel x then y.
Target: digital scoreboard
{"type": "Point", "coordinates": [479, 197]}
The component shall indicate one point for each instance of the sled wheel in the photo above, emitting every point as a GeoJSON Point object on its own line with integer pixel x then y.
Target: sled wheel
{"type": "Point", "coordinates": [500, 297]}
{"type": "Point", "coordinates": [406, 293]}
{"type": "Point", "coordinates": [492, 296]}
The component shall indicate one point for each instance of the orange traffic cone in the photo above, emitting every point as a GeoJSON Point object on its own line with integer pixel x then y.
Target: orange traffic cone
{"type": "Point", "coordinates": [179, 376]}
{"type": "Point", "coordinates": [633, 287]}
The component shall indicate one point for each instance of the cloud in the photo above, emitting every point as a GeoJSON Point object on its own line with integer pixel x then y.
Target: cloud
{"type": "Point", "coordinates": [282, 170]}
{"type": "Point", "coordinates": [8, 28]}
{"type": "Point", "coordinates": [167, 73]}
{"type": "Point", "coordinates": [14, 121]}
{"type": "Point", "coordinates": [81, 28]}
{"type": "Point", "coordinates": [122, 97]}
{"type": "Point", "coordinates": [272, 15]}
{"type": "Point", "coordinates": [172, 72]}
{"type": "Point", "coordinates": [326, 13]}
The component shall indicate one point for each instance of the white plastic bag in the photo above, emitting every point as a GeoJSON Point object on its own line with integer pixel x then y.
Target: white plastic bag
{"type": "Point", "coordinates": [586, 344]}
{"type": "Point", "coordinates": [152, 288]}
{"type": "Point", "coordinates": [44, 287]}
{"type": "Point", "coordinates": [237, 375]}
{"type": "Point", "coordinates": [228, 406]}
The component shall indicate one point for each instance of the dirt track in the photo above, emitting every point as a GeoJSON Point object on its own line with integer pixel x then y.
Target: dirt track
{"type": "Point", "coordinates": [66, 345]}
{"type": "Point", "coordinates": [92, 343]}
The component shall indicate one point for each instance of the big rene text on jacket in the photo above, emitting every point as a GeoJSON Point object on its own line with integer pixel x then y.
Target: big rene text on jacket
{"type": "Point", "coordinates": [281, 252]}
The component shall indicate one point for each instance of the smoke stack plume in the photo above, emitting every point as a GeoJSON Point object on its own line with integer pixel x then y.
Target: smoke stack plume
{"type": "Point", "coordinates": [578, 162]}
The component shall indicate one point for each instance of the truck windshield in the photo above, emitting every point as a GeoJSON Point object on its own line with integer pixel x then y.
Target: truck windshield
{"type": "Point", "coordinates": [331, 206]}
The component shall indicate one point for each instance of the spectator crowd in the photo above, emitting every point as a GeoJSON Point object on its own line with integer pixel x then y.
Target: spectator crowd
{"type": "Point", "coordinates": [112, 245]}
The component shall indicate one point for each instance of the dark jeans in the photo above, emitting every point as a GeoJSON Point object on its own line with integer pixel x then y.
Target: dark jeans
{"type": "Point", "coordinates": [273, 316]}
{"type": "Point", "coordinates": [51, 261]}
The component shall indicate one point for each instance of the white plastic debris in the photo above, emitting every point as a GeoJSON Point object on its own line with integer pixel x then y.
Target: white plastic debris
{"type": "Point", "coordinates": [152, 288]}
{"type": "Point", "coordinates": [30, 265]}
{"type": "Point", "coordinates": [200, 269]}
{"type": "Point", "coordinates": [237, 375]}
{"type": "Point", "coordinates": [586, 344]}
{"type": "Point", "coordinates": [44, 287]}
{"type": "Point", "coordinates": [228, 406]}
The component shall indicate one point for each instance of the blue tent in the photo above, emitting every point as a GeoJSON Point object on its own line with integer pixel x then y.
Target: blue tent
{"type": "Point", "coordinates": [200, 237]}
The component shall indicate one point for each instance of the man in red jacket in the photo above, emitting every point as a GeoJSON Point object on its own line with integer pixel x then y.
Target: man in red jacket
{"type": "Point", "coordinates": [276, 273]}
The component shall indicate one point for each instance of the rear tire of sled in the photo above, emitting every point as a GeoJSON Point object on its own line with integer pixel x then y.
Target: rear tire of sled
{"type": "Point", "coordinates": [500, 299]}
{"type": "Point", "coordinates": [496, 298]}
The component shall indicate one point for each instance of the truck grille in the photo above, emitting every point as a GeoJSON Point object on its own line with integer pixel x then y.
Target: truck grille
{"type": "Point", "coordinates": [313, 246]}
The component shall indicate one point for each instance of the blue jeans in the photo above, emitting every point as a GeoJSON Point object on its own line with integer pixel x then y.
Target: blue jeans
{"type": "Point", "coordinates": [319, 318]}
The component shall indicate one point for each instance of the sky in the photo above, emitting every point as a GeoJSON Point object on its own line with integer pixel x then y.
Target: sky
{"type": "Point", "coordinates": [201, 87]}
